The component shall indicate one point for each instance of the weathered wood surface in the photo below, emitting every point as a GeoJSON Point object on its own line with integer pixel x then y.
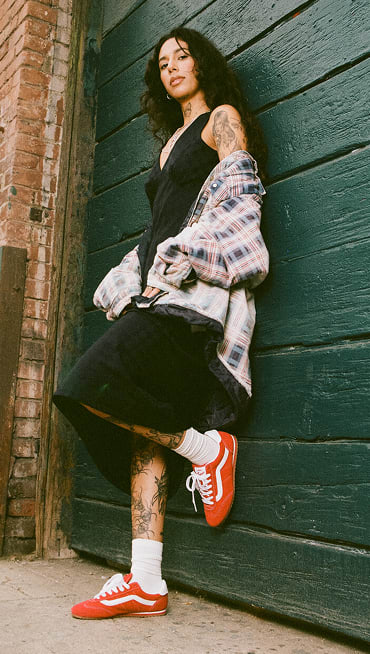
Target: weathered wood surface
{"type": "Point", "coordinates": [295, 54]}
{"type": "Point", "coordinates": [141, 31]}
{"type": "Point", "coordinates": [288, 575]}
{"type": "Point", "coordinates": [303, 50]}
{"type": "Point", "coordinates": [328, 119]}
{"type": "Point", "coordinates": [320, 208]}
{"type": "Point", "coordinates": [320, 489]}
{"type": "Point", "coordinates": [123, 154]}
{"type": "Point", "coordinates": [115, 11]}
{"type": "Point", "coordinates": [317, 298]}
{"type": "Point", "coordinates": [12, 281]}
{"type": "Point", "coordinates": [115, 105]}
{"type": "Point", "coordinates": [118, 213]}
{"type": "Point", "coordinates": [99, 263]}
{"type": "Point", "coordinates": [311, 393]}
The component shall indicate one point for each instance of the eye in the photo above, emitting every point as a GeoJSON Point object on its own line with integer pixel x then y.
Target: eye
{"type": "Point", "coordinates": [184, 56]}
{"type": "Point", "coordinates": [162, 66]}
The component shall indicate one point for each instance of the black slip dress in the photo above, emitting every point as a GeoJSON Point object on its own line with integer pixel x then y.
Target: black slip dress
{"type": "Point", "coordinates": [148, 369]}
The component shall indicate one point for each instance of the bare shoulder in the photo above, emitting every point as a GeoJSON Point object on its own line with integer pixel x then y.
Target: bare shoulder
{"type": "Point", "coordinates": [225, 131]}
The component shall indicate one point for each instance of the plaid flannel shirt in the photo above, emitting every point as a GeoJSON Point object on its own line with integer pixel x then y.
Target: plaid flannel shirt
{"type": "Point", "coordinates": [210, 268]}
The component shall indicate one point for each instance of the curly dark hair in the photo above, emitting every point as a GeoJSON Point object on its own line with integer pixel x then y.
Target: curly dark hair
{"type": "Point", "coordinates": [216, 79]}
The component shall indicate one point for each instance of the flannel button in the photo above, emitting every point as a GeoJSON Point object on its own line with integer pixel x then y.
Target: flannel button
{"type": "Point", "coordinates": [214, 185]}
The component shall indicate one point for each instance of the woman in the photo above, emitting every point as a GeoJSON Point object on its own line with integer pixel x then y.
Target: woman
{"type": "Point", "coordinates": [173, 371]}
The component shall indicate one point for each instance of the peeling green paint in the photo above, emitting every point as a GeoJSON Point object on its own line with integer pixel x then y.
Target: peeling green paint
{"type": "Point", "coordinates": [13, 190]}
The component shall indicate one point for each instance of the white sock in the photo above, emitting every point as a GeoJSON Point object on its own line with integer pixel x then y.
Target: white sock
{"type": "Point", "coordinates": [199, 448]}
{"type": "Point", "coordinates": [146, 564]}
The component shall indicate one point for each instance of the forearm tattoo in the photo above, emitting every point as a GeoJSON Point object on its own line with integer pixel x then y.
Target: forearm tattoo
{"type": "Point", "coordinates": [228, 134]}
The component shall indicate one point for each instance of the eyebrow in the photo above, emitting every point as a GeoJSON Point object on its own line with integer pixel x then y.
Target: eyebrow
{"type": "Point", "coordinates": [175, 52]}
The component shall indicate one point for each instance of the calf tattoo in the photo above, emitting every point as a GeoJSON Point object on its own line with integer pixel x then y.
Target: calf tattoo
{"type": "Point", "coordinates": [141, 516]}
{"type": "Point", "coordinates": [161, 495]}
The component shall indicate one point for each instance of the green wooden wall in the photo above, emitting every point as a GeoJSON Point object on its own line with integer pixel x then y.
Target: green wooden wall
{"type": "Point", "coordinates": [298, 539]}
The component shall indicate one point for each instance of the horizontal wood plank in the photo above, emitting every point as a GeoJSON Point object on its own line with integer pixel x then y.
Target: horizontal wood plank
{"type": "Point", "coordinates": [123, 155]}
{"type": "Point", "coordinates": [326, 120]}
{"type": "Point", "coordinates": [317, 298]}
{"type": "Point", "coordinates": [118, 213]}
{"type": "Point", "coordinates": [115, 11]}
{"type": "Point", "coordinates": [140, 32]}
{"type": "Point", "coordinates": [99, 264]}
{"type": "Point", "coordinates": [303, 50]}
{"type": "Point", "coordinates": [324, 584]}
{"type": "Point", "coordinates": [115, 105]}
{"type": "Point", "coordinates": [310, 393]}
{"type": "Point", "coordinates": [312, 489]}
{"type": "Point", "coordinates": [320, 208]}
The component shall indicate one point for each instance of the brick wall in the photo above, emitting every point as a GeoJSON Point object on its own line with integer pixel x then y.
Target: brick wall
{"type": "Point", "coordinates": [34, 50]}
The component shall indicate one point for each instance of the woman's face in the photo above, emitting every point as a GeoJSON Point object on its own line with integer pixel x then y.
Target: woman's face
{"type": "Point", "coordinates": [177, 69]}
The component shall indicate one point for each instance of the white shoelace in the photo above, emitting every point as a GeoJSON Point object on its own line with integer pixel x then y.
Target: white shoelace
{"type": "Point", "coordinates": [200, 481]}
{"type": "Point", "coordinates": [113, 585]}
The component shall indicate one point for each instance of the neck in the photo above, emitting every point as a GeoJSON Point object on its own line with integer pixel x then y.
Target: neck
{"type": "Point", "coordinates": [192, 108]}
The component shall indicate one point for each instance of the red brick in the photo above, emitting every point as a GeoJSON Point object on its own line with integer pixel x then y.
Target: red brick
{"type": "Point", "coordinates": [25, 468]}
{"type": "Point", "coordinates": [18, 234]}
{"type": "Point", "coordinates": [23, 447]}
{"type": "Point", "coordinates": [32, 328]}
{"type": "Point", "coordinates": [37, 270]}
{"type": "Point", "coordinates": [38, 28]}
{"type": "Point", "coordinates": [34, 60]}
{"type": "Point", "coordinates": [35, 309]}
{"type": "Point", "coordinates": [30, 178]}
{"type": "Point", "coordinates": [25, 507]}
{"type": "Point", "coordinates": [36, 43]}
{"type": "Point", "coordinates": [33, 128]}
{"type": "Point", "coordinates": [25, 487]}
{"type": "Point", "coordinates": [26, 428]}
{"type": "Point", "coordinates": [26, 160]}
{"type": "Point", "coordinates": [40, 11]}
{"type": "Point", "coordinates": [32, 94]}
{"type": "Point", "coordinates": [29, 389]}
{"type": "Point", "coordinates": [27, 408]}
{"type": "Point", "coordinates": [42, 235]}
{"type": "Point", "coordinates": [20, 527]}
{"type": "Point", "coordinates": [31, 111]}
{"type": "Point", "coordinates": [37, 289]}
{"type": "Point", "coordinates": [33, 350]}
{"type": "Point", "coordinates": [35, 77]}
{"type": "Point", "coordinates": [40, 253]}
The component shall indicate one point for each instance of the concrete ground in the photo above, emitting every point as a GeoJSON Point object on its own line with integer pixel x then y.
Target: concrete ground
{"type": "Point", "coordinates": [35, 601]}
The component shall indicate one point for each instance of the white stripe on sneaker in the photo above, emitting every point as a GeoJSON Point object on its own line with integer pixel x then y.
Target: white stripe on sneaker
{"type": "Point", "coordinates": [218, 475]}
{"type": "Point", "coordinates": [128, 598]}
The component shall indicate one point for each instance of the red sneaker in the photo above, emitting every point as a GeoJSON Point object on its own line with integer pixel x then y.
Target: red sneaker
{"type": "Point", "coordinates": [120, 597]}
{"type": "Point", "coordinates": [216, 481]}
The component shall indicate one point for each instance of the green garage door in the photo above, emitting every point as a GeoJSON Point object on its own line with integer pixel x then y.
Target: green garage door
{"type": "Point", "coordinates": [298, 539]}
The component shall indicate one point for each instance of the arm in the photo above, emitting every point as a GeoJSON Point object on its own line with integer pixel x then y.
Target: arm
{"type": "Point", "coordinates": [225, 131]}
{"type": "Point", "coordinates": [224, 248]}
{"type": "Point", "coordinates": [122, 282]}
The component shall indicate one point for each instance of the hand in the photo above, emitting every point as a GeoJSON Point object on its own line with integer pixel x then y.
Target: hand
{"type": "Point", "coordinates": [150, 291]}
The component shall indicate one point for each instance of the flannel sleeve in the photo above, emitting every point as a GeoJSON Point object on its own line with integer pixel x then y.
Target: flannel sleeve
{"type": "Point", "coordinates": [225, 247]}
{"type": "Point", "coordinates": [122, 282]}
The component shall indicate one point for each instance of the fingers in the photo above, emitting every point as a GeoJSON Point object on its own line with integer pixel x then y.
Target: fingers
{"type": "Point", "coordinates": [150, 291]}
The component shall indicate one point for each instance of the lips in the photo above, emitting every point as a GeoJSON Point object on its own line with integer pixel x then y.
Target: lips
{"type": "Point", "coordinates": [176, 80]}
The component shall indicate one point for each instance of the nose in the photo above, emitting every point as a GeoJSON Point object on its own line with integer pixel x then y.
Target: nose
{"type": "Point", "coordinates": [172, 65]}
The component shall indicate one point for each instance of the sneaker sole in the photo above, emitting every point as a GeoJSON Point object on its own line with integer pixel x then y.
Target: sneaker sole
{"type": "Point", "coordinates": [123, 615]}
{"type": "Point", "coordinates": [235, 454]}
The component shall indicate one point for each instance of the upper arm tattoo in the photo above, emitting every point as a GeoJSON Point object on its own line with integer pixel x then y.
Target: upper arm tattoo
{"type": "Point", "coordinates": [228, 134]}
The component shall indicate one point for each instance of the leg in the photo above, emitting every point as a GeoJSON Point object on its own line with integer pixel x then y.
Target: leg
{"type": "Point", "coordinates": [167, 440]}
{"type": "Point", "coordinates": [149, 486]}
